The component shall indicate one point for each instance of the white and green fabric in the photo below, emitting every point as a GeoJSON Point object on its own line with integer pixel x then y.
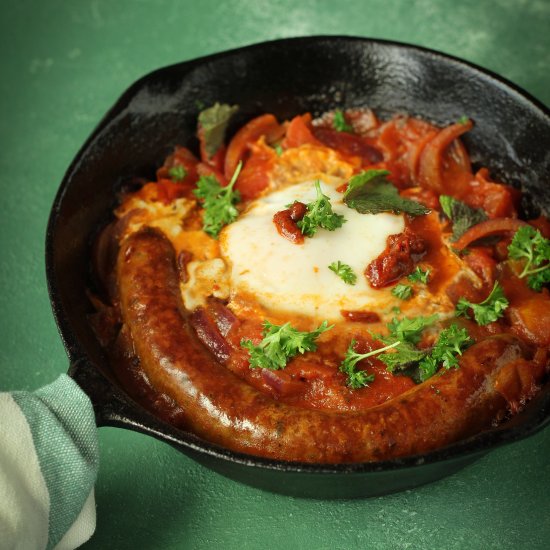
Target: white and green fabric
{"type": "Point", "coordinates": [48, 466]}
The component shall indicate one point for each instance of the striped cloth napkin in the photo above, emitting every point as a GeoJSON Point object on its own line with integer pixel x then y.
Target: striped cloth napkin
{"type": "Point", "coordinates": [48, 466]}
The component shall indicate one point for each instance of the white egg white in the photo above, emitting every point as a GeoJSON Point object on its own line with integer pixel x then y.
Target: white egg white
{"type": "Point", "coordinates": [295, 278]}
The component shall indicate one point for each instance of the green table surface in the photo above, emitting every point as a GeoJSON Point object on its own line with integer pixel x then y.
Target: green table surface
{"type": "Point", "coordinates": [63, 64]}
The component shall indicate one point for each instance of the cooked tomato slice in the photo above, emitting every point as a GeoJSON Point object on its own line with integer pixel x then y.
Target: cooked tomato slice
{"type": "Point", "coordinates": [239, 147]}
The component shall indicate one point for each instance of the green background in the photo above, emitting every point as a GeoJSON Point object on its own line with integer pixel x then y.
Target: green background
{"type": "Point", "coordinates": [63, 65]}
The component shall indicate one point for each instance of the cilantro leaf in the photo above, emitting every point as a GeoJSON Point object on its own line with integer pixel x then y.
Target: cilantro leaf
{"type": "Point", "coordinates": [218, 202]}
{"type": "Point", "coordinates": [358, 379]}
{"type": "Point", "coordinates": [420, 275]}
{"type": "Point", "coordinates": [280, 344]}
{"type": "Point", "coordinates": [462, 215]}
{"type": "Point", "coordinates": [213, 122]}
{"type": "Point", "coordinates": [369, 192]}
{"type": "Point", "coordinates": [488, 311]}
{"type": "Point", "coordinates": [177, 173]}
{"type": "Point", "coordinates": [530, 246]}
{"type": "Point", "coordinates": [320, 214]}
{"type": "Point", "coordinates": [403, 292]}
{"type": "Point", "coordinates": [340, 123]}
{"type": "Point", "coordinates": [344, 271]}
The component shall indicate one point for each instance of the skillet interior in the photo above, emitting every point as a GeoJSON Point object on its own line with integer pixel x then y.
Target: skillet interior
{"type": "Point", "coordinates": [286, 77]}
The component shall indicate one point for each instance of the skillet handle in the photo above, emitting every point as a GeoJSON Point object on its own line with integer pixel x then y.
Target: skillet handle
{"type": "Point", "coordinates": [111, 406]}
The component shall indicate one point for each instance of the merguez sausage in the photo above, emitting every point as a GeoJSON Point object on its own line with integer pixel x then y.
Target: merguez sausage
{"type": "Point", "coordinates": [222, 408]}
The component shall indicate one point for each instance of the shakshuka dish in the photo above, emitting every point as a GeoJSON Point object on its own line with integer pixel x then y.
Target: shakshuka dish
{"type": "Point", "coordinates": [336, 289]}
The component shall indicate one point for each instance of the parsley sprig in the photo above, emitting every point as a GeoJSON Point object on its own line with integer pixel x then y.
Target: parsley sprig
{"type": "Point", "coordinates": [488, 311]}
{"type": "Point", "coordinates": [369, 192]}
{"type": "Point", "coordinates": [218, 202]}
{"type": "Point", "coordinates": [420, 275]}
{"type": "Point", "coordinates": [450, 343]}
{"type": "Point", "coordinates": [344, 271]}
{"type": "Point", "coordinates": [340, 123]}
{"type": "Point", "coordinates": [530, 246]}
{"type": "Point", "coordinates": [319, 214]}
{"type": "Point", "coordinates": [359, 378]}
{"type": "Point", "coordinates": [177, 173]}
{"type": "Point", "coordinates": [406, 332]}
{"type": "Point", "coordinates": [402, 291]}
{"type": "Point", "coordinates": [280, 344]}
{"type": "Point", "coordinates": [422, 364]}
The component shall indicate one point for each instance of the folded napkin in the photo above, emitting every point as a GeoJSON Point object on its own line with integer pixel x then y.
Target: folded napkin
{"type": "Point", "coordinates": [48, 466]}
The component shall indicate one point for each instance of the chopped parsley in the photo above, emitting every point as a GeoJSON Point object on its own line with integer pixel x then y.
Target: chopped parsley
{"type": "Point", "coordinates": [319, 214]}
{"type": "Point", "coordinates": [369, 192]}
{"type": "Point", "coordinates": [488, 311]}
{"type": "Point", "coordinates": [344, 271]}
{"type": "Point", "coordinates": [402, 291]}
{"type": "Point", "coordinates": [419, 275]}
{"type": "Point", "coordinates": [280, 344]}
{"type": "Point", "coordinates": [409, 329]}
{"type": "Point", "coordinates": [450, 343]}
{"type": "Point", "coordinates": [340, 123]}
{"type": "Point", "coordinates": [463, 120]}
{"type": "Point", "coordinates": [359, 378]}
{"type": "Point", "coordinates": [213, 122]}
{"type": "Point", "coordinates": [421, 364]}
{"type": "Point", "coordinates": [218, 202]}
{"type": "Point", "coordinates": [530, 246]}
{"type": "Point", "coordinates": [278, 149]}
{"type": "Point", "coordinates": [462, 215]}
{"type": "Point", "coordinates": [177, 173]}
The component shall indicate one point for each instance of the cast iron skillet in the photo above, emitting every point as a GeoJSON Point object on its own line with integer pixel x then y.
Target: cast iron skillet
{"type": "Point", "coordinates": [284, 77]}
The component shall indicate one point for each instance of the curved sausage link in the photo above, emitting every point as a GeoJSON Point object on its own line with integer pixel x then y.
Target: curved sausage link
{"type": "Point", "coordinates": [223, 409]}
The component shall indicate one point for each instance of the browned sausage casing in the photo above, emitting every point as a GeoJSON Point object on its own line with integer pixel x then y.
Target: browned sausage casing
{"type": "Point", "coordinates": [222, 408]}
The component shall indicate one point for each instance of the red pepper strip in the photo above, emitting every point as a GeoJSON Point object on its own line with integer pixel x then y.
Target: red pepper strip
{"type": "Point", "coordinates": [487, 229]}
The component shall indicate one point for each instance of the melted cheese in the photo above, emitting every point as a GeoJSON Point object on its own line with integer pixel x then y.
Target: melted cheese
{"type": "Point", "coordinates": [295, 278]}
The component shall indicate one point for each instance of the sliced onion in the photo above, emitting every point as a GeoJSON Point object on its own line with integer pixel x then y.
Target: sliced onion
{"type": "Point", "coordinates": [487, 229]}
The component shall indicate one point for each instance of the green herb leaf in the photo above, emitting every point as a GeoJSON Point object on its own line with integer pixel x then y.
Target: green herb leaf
{"type": "Point", "coordinates": [450, 343]}
{"type": "Point", "coordinates": [218, 202]}
{"type": "Point", "coordinates": [369, 192]}
{"type": "Point", "coordinates": [419, 275]}
{"type": "Point", "coordinates": [488, 311]}
{"type": "Point", "coordinates": [359, 379]}
{"type": "Point", "coordinates": [462, 215]}
{"type": "Point", "coordinates": [409, 329]}
{"type": "Point", "coordinates": [406, 332]}
{"type": "Point", "coordinates": [530, 246]}
{"type": "Point", "coordinates": [463, 119]}
{"type": "Point", "coordinates": [278, 149]}
{"type": "Point", "coordinates": [280, 344]}
{"type": "Point", "coordinates": [344, 271]}
{"type": "Point", "coordinates": [404, 356]}
{"type": "Point", "coordinates": [320, 214]}
{"type": "Point", "coordinates": [213, 122]}
{"type": "Point", "coordinates": [340, 123]}
{"type": "Point", "coordinates": [403, 292]}
{"type": "Point", "coordinates": [177, 173]}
